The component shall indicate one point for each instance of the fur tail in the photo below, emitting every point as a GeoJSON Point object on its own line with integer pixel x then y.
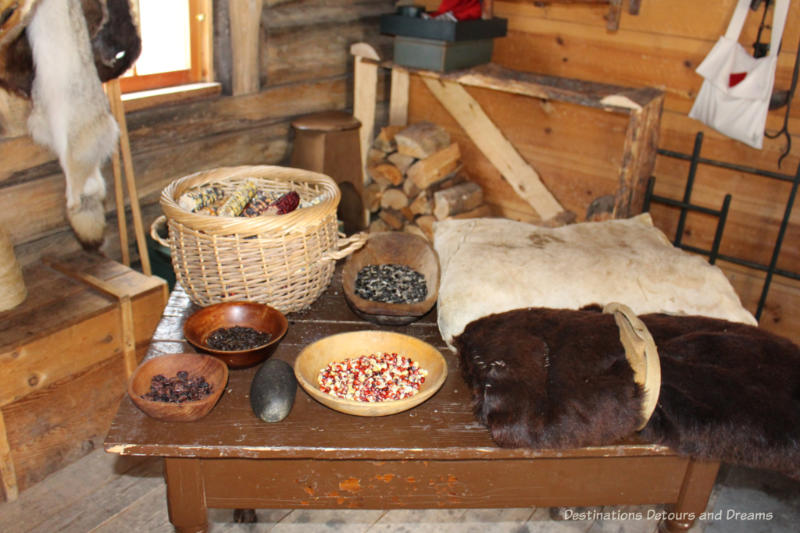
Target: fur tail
{"type": "Point", "coordinates": [87, 215]}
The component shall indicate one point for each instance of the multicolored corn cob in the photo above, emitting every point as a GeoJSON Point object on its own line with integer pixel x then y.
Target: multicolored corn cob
{"type": "Point", "coordinates": [286, 203]}
{"type": "Point", "coordinates": [196, 199]}
{"type": "Point", "coordinates": [234, 204]}
{"type": "Point", "coordinates": [258, 204]}
{"type": "Point", "coordinates": [271, 204]}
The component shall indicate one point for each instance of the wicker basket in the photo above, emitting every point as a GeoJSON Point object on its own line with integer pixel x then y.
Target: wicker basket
{"type": "Point", "coordinates": [285, 261]}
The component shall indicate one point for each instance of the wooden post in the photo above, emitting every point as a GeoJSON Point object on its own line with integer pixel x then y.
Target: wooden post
{"type": "Point", "coordinates": [698, 481]}
{"type": "Point", "coordinates": [119, 199]}
{"type": "Point", "coordinates": [638, 157]}
{"type": "Point", "coordinates": [365, 92]}
{"type": "Point", "coordinates": [12, 284]}
{"type": "Point", "coordinates": [117, 109]}
{"type": "Point", "coordinates": [398, 97]}
{"type": "Point", "coordinates": [123, 296]}
{"type": "Point", "coordinates": [8, 475]}
{"type": "Point", "coordinates": [186, 499]}
{"type": "Point", "coordinates": [245, 17]}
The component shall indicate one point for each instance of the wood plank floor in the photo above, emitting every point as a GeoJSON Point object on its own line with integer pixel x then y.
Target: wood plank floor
{"type": "Point", "coordinates": [111, 494]}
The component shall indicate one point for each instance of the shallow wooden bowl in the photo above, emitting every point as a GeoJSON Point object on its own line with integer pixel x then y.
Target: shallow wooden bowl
{"type": "Point", "coordinates": [319, 354]}
{"type": "Point", "coordinates": [392, 247]}
{"type": "Point", "coordinates": [258, 316]}
{"type": "Point", "coordinates": [212, 369]}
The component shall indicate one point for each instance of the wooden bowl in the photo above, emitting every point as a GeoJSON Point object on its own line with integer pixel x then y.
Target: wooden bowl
{"type": "Point", "coordinates": [392, 248]}
{"type": "Point", "coordinates": [254, 315]}
{"type": "Point", "coordinates": [212, 369]}
{"type": "Point", "coordinates": [319, 354]}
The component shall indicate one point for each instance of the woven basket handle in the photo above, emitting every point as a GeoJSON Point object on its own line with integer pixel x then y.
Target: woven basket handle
{"type": "Point", "coordinates": [154, 230]}
{"type": "Point", "coordinates": [345, 246]}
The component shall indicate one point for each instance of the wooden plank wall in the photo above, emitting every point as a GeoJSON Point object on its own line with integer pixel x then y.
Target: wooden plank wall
{"type": "Point", "coordinates": [659, 47]}
{"type": "Point", "coordinates": [305, 66]}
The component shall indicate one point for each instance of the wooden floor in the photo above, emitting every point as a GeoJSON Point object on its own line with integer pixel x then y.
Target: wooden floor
{"type": "Point", "coordinates": [111, 494]}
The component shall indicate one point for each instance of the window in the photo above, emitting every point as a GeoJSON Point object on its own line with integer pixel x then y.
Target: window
{"type": "Point", "coordinates": [176, 45]}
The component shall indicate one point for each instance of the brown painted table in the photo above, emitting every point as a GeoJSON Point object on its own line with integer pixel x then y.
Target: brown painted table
{"type": "Point", "coordinates": [435, 455]}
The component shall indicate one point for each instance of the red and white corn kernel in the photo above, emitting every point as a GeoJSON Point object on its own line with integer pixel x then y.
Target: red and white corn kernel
{"type": "Point", "coordinates": [376, 377]}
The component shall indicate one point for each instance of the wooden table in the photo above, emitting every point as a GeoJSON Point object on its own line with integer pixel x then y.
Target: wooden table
{"type": "Point", "coordinates": [433, 456]}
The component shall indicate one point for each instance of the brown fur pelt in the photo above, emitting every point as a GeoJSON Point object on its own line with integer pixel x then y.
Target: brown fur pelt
{"type": "Point", "coordinates": [553, 378]}
{"type": "Point", "coordinates": [114, 39]}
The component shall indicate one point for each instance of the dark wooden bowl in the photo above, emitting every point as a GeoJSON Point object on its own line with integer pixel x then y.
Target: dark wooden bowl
{"type": "Point", "coordinates": [254, 315]}
{"type": "Point", "coordinates": [212, 369]}
{"type": "Point", "coordinates": [398, 248]}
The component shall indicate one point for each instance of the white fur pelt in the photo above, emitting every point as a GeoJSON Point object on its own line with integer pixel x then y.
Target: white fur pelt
{"type": "Point", "coordinates": [70, 112]}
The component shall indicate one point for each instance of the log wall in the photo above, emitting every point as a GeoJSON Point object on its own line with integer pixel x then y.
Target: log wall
{"type": "Point", "coordinates": [305, 66]}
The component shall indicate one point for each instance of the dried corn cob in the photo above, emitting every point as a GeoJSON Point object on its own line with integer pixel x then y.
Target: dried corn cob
{"type": "Point", "coordinates": [196, 199]}
{"type": "Point", "coordinates": [272, 204]}
{"type": "Point", "coordinates": [286, 203]}
{"type": "Point", "coordinates": [258, 204]}
{"type": "Point", "coordinates": [237, 200]}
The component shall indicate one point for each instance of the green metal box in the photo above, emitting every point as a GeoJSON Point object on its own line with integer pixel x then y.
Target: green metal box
{"type": "Point", "coordinates": [441, 56]}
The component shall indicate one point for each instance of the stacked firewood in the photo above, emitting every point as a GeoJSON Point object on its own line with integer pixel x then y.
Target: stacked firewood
{"type": "Point", "coordinates": [416, 179]}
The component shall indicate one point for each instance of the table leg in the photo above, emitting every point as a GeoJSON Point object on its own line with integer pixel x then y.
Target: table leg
{"type": "Point", "coordinates": [186, 499]}
{"type": "Point", "coordinates": [693, 499]}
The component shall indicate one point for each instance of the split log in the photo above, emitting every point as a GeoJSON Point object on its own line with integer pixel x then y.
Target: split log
{"type": "Point", "coordinates": [408, 214]}
{"type": "Point", "coordinates": [421, 140]}
{"type": "Point", "coordinates": [372, 197]}
{"type": "Point", "coordinates": [458, 199]}
{"type": "Point", "coordinates": [482, 210]}
{"type": "Point", "coordinates": [416, 230]}
{"type": "Point", "coordinates": [452, 179]}
{"type": "Point", "coordinates": [410, 188]}
{"type": "Point", "coordinates": [385, 139]}
{"type": "Point", "coordinates": [422, 204]}
{"type": "Point", "coordinates": [425, 223]}
{"type": "Point", "coordinates": [378, 225]}
{"type": "Point", "coordinates": [385, 173]}
{"type": "Point", "coordinates": [436, 167]}
{"type": "Point", "coordinates": [393, 218]}
{"type": "Point", "coordinates": [401, 161]}
{"type": "Point", "coordinates": [375, 157]}
{"type": "Point", "coordinates": [394, 199]}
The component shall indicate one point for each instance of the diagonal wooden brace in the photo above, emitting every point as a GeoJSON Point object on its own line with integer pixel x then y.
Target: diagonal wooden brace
{"type": "Point", "coordinates": [495, 146]}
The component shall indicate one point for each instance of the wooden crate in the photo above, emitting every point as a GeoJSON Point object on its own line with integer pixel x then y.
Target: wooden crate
{"type": "Point", "coordinates": [65, 354]}
{"type": "Point", "coordinates": [543, 148]}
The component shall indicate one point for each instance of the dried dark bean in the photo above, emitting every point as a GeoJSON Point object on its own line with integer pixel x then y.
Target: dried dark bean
{"type": "Point", "coordinates": [391, 283]}
{"type": "Point", "coordinates": [179, 389]}
{"type": "Point", "coordinates": [237, 338]}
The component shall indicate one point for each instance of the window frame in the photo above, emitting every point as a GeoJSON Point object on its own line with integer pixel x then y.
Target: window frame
{"type": "Point", "coordinates": [200, 49]}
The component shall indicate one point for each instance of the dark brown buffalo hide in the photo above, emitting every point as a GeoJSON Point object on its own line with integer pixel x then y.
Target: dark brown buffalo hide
{"type": "Point", "coordinates": [551, 378]}
{"type": "Point", "coordinates": [114, 38]}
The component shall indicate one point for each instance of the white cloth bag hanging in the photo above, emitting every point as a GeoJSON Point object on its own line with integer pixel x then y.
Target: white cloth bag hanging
{"type": "Point", "coordinates": [734, 97]}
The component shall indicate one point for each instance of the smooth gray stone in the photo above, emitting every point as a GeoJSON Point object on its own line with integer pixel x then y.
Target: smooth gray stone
{"type": "Point", "coordinates": [273, 390]}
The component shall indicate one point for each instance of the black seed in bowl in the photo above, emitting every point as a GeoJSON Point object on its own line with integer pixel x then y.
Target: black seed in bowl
{"type": "Point", "coordinates": [237, 338]}
{"type": "Point", "coordinates": [391, 283]}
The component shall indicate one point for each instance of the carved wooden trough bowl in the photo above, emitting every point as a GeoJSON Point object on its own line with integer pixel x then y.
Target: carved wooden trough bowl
{"type": "Point", "coordinates": [398, 248]}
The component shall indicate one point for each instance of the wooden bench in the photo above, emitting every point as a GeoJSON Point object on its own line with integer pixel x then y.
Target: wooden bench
{"type": "Point", "coordinates": [435, 455]}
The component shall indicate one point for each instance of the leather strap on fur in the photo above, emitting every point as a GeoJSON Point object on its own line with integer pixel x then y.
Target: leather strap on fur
{"type": "Point", "coordinates": [641, 353]}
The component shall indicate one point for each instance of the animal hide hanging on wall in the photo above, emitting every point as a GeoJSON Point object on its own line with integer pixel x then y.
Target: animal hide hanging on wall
{"type": "Point", "coordinates": [59, 60]}
{"type": "Point", "coordinates": [70, 113]}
